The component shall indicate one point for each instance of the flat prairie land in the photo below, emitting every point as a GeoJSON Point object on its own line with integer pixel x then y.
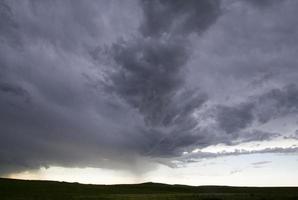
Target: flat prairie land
{"type": "Point", "coordinates": [11, 189]}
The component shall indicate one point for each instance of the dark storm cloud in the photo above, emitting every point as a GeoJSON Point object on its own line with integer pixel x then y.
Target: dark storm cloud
{"type": "Point", "coordinates": [45, 57]}
{"type": "Point", "coordinates": [178, 17]}
{"type": "Point", "coordinates": [49, 114]}
{"type": "Point", "coordinates": [14, 90]}
{"type": "Point", "coordinates": [277, 102]}
{"type": "Point", "coordinates": [263, 3]}
{"type": "Point", "coordinates": [119, 84]}
{"type": "Point", "coordinates": [149, 76]}
{"type": "Point", "coordinates": [257, 135]}
{"type": "Point", "coordinates": [258, 109]}
{"type": "Point", "coordinates": [8, 26]}
{"type": "Point", "coordinates": [151, 79]}
{"type": "Point", "coordinates": [150, 71]}
{"type": "Point", "coordinates": [233, 119]}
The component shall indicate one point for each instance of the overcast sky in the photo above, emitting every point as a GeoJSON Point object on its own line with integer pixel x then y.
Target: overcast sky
{"type": "Point", "coordinates": [127, 91]}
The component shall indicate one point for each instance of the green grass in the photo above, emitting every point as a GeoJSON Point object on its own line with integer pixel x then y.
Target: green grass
{"type": "Point", "coordinates": [11, 189]}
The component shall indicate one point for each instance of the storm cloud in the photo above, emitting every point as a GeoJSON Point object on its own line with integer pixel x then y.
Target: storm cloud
{"type": "Point", "coordinates": [164, 17]}
{"type": "Point", "coordinates": [126, 84]}
{"type": "Point", "coordinates": [150, 70]}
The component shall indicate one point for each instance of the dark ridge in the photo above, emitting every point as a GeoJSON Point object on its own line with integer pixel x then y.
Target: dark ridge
{"type": "Point", "coordinates": [35, 189]}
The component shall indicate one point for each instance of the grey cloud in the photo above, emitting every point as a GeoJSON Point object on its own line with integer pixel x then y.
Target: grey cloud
{"type": "Point", "coordinates": [277, 102]}
{"type": "Point", "coordinates": [293, 136]}
{"type": "Point", "coordinates": [150, 72]}
{"type": "Point", "coordinates": [13, 90]}
{"type": "Point", "coordinates": [150, 79]}
{"type": "Point", "coordinates": [263, 3]}
{"type": "Point", "coordinates": [8, 28]}
{"type": "Point", "coordinates": [120, 84]}
{"type": "Point", "coordinates": [233, 119]}
{"type": "Point", "coordinates": [196, 157]}
{"type": "Point", "coordinates": [67, 122]}
{"type": "Point", "coordinates": [258, 109]}
{"type": "Point", "coordinates": [269, 50]}
{"type": "Point", "coordinates": [257, 135]}
{"type": "Point", "coordinates": [64, 24]}
{"type": "Point", "coordinates": [296, 134]}
{"type": "Point", "coordinates": [180, 16]}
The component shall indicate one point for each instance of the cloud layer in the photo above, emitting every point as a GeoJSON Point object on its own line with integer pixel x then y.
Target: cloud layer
{"type": "Point", "coordinates": [124, 84]}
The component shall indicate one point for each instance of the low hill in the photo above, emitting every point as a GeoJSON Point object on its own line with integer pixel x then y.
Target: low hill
{"type": "Point", "coordinates": [30, 189]}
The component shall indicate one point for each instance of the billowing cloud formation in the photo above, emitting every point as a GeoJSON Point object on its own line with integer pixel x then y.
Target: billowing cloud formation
{"type": "Point", "coordinates": [120, 84]}
{"type": "Point", "coordinates": [149, 73]}
{"type": "Point", "coordinates": [258, 109]}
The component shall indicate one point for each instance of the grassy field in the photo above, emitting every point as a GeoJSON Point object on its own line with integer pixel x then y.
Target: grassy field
{"type": "Point", "coordinates": [11, 189]}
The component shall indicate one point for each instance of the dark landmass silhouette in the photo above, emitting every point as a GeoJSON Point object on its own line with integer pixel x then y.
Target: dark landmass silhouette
{"type": "Point", "coordinates": [12, 189]}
